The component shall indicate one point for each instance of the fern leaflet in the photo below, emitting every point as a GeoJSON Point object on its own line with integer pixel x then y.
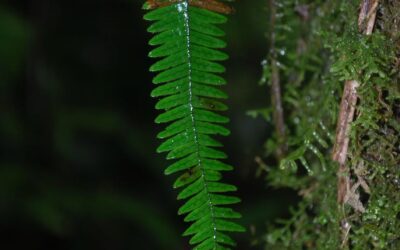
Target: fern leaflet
{"type": "Point", "coordinates": [188, 38]}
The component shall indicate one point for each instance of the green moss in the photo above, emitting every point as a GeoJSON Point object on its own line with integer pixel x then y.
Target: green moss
{"type": "Point", "coordinates": [332, 52]}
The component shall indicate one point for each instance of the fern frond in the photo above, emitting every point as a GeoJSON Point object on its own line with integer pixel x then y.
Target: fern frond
{"type": "Point", "coordinates": [188, 38]}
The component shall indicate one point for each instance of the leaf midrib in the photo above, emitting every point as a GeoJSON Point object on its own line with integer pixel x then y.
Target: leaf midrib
{"type": "Point", "coordinates": [183, 7]}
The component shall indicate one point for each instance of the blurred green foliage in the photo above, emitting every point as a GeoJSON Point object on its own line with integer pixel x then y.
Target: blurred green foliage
{"type": "Point", "coordinates": [13, 44]}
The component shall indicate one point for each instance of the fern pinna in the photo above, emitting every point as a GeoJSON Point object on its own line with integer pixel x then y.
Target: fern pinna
{"type": "Point", "coordinates": [187, 40]}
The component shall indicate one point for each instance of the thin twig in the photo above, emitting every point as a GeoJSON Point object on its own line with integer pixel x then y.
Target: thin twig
{"type": "Point", "coordinates": [276, 95]}
{"type": "Point", "coordinates": [366, 19]}
{"type": "Point", "coordinates": [346, 115]}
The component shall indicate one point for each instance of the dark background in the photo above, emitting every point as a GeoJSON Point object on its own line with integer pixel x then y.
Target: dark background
{"type": "Point", "coordinates": [78, 168]}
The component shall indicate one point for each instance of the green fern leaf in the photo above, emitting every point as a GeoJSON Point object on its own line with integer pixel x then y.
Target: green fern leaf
{"type": "Point", "coordinates": [188, 92]}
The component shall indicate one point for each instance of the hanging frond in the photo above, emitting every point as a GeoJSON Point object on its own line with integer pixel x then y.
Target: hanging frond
{"type": "Point", "coordinates": [188, 90]}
